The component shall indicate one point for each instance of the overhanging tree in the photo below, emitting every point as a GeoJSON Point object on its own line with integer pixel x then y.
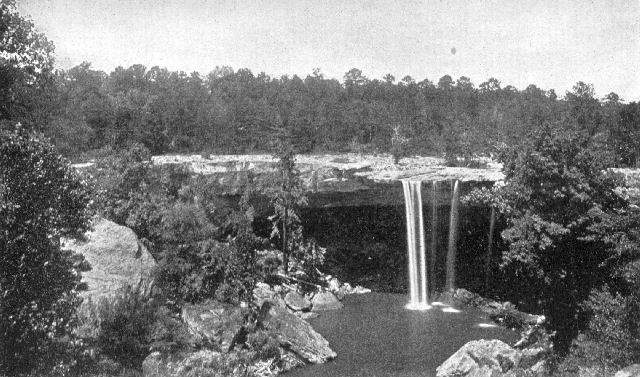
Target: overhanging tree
{"type": "Point", "coordinates": [556, 192]}
{"type": "Point", "coordinates": [27, 87]}
{"type": "Point", "coordinates": [41, 200]}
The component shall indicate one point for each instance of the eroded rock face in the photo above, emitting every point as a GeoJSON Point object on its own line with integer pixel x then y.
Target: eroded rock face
{"type": "Point", "coordinates": [213, 323]}
{"type": "Point", "coordinates": [480, 358]}
{"type": "Point", "coordinates": [334, 180]}
{"type": "Point", "coordinates": [325, 301]}
{"type": "Point", "coordinates": [296, 334]}
{"type": "Point", "coordinates": [630, 371]}
{"type": "Point", "coordinates": [494, 358]}
{"type": "Point", "coordinates": [117, 260]}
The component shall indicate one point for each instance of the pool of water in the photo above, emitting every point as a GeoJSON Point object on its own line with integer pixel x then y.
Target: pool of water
{"type": "Point", "coordinates": [374, 335]}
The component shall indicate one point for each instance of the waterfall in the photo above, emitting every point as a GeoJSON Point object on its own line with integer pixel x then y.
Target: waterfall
{"type": "Point", "coordinates": [434, 233]}
{"type": "Point", "coordinates": [416, 254]}
{"type": "Point", "coordinates": [453, 238]}
{"type": "Point", "coordinates": [489, 256]}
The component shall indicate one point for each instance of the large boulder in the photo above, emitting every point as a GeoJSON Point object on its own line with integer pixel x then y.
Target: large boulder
{"type": "Point", "coordinates": [325, 301]}
{"type": "Point", "coordinates": [494, 358]}
{"type": "Point", "coordinates": [117, 260]}
{"type": "Point", "coordinates": [213, 323]}
{"type": "Point", "coordinates": [296, 334]}
{"type": "Point", "coordinates": [630, 371]}
{"type": "Point", "coordinates": [480, 358]}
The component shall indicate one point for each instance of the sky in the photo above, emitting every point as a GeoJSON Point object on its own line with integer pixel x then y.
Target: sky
{"type": "Point", "coordinates": [550, 43]}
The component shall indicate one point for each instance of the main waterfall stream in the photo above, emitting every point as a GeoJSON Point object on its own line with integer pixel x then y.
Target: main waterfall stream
{"type": "Point", "coordinates": [416, 254]}
{"type": "Point", "coordinates": [421, 271]}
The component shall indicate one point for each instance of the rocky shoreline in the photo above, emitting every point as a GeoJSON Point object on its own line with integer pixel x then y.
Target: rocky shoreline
{"type": "Point", "coordinates": [214, 329]}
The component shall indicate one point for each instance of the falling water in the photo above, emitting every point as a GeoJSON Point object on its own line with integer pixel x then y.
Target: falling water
{"type": "Point", "coordinates": [489, 256]}
{"type": "Point", "coordinates": [453, 238]}
{"type": "Point", "coordinates": [416, 255]}
{"type": "Point", "coordinates": [434, 233]}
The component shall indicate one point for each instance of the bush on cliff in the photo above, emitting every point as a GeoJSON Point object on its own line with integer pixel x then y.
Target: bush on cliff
{"type": "Point", "coordinates": [41, 200]}
{"type": "Point", "coordinates": [557, 193]}
{"type": "Point", "coordinates": [611, 340]}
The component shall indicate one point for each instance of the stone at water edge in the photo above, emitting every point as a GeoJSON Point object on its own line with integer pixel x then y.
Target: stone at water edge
{"type": "Point", "coordinates": [333, 285]}
{"type": "Point", "coordinates": [296, 334]}
{"type": "Point", "coordinates": [325, 301]}
{"type": "Point", "coordinates": [297, 302]}
{"type": "Point", "coordinates": [358, 290]}
{"type": "Point", "coordinates": [214, 323]}
{"type": "Point", "coordinates": [480, 358]}
{"type": "Point", "coordinates": [630, 371]}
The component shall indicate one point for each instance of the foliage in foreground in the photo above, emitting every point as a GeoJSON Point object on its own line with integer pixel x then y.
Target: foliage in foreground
{"type": "Point", "coordinates": [41, 200]}
{"type": "Point", "coordinates": [560, 207]}
{"type": "Point", "coordinates": [611, 339]}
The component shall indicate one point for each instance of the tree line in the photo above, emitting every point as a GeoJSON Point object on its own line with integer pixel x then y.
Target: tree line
{"type": "Point", "coordinates": [235, 111]}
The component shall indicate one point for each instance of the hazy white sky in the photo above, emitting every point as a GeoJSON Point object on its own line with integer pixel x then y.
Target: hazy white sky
{"type": "Point", "coordinates": [552, 44]}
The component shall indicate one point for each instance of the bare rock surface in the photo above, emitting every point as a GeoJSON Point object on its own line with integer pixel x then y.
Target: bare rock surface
{"type": "Point", "coordinates": [333, 180]}
{"type": "Point", "coordinates": [325, 301]}
{"type": "Point", "coordinates": [337, 167]}
{"type": "Point", "coordinates": [117, 259]}
{"type": "Point", "coordinates": [630, 371]}
{"type": "Point", "coordinates": [296, 334]}
{"type": "Point", "coordinates": [480, 358]}
{"type": "Point", "coordinates": [494, 358]}
{"type": "Point", "coordinates": [213, 323]}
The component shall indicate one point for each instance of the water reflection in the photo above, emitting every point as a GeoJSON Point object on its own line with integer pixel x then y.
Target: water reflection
{"type": "Point", "coordinates": [374, 335]}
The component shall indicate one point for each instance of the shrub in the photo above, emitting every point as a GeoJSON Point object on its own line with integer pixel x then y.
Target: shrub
{"type": "Point", "coordinates": [612, 338]}
{"type": "Point", "coordinates": [126, 325]}
{"type": "Point", "coordinates": [118, 332]}
{"type": "Point", "coordinates": [264, 344]}
{"type": "Point", "coordinates": [610, 342]}
{"type": "Point", "coordinates": [41, 200]}
{"type": "Point", "coordinates": [557, 193]}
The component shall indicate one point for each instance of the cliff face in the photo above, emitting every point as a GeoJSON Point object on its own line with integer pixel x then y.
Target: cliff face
{"type": "Point", "coordinates": [340, 180]}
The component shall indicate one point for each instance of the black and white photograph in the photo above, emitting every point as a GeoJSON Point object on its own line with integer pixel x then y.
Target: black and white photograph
{"type": "Point", "coordinates": [305, 188]}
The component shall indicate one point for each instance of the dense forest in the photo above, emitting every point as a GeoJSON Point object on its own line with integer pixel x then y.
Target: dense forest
{"type": "Point", "coordinates": [234, 111]}
{"type": "Point", "coordinates": [569, 245]}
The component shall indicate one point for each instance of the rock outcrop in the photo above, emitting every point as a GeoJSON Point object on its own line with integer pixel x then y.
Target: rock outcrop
{"type": "Point", "coordinates": [630, 371]}
{"type": "Point", "coordinates": [325, 301]}
{"type": "Point", "coordinates": [492, 358]}
{"type": "Point", "coordinates": [480, 358]}
{"type": "Point", "coordinates": [214, 324]}
{"type": "Point", "coordinates": [296, 334]}
{"type": "Point", "coordinates": [117, 259]}
{"type": "Point", "coordinates": [333, 180]}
